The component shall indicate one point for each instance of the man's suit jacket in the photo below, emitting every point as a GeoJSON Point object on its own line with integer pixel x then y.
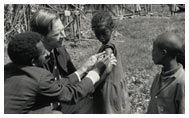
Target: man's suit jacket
{"type": "Point", "coordinates": [65, 68]}
{"type": "Point", "coordinates": [29, 88]}
{"type": "Point", "coordinates": [64, 63]}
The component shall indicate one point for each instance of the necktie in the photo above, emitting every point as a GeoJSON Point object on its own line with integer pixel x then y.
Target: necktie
{"type": "Point", "coordinates": [53, 65]}
{"type": "Point", "coordinates": [55, 71]}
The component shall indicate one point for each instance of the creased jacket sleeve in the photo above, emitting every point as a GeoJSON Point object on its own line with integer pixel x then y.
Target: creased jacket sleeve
{"type": "Point", "coordinates": [70, 79]}
{"type": "Point", "coordinates": [180, 98]}
{"type": "Point", "coordinates": [65, 93]}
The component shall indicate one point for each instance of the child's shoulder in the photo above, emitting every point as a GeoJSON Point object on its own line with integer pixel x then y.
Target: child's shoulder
{"type": "Point", "coordinates": [109, 46]}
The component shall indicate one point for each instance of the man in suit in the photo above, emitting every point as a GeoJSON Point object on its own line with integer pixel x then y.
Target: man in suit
{"type": "Point", "coordinates": [28, 88]}
{"type": "Point", "coordinates": [48, 23]}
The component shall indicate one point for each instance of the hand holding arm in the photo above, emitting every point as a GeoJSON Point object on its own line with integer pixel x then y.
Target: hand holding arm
{"type": "Point", "coordinates": [89, 64]}
{"type": "Point", "coordinates": [105, 65]}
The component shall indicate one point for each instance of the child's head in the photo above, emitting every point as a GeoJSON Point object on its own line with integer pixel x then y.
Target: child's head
{"type": "Point", "coordinates": [102, 25]}
{"type": "Point", "coordinates": [166, 46]}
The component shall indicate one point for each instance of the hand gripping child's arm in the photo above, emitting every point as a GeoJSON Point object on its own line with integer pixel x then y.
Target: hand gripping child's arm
{"type": "Point", "coordinates": [109, 52]}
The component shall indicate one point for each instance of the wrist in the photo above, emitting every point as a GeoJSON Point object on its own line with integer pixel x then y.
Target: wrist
{"type": "Point", "coordinates": [81, 71]}
{"type": "Point", "coordinates": [96, 70]}
{"type": "Point", "coordinates": [93, 76]}
{"type": "Point", "coordinates": [78, 76]}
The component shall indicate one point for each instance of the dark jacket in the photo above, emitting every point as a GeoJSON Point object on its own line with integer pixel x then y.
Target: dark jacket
{"type": "Point", "coordinates": [170, 97]}
{"type": "Point", "coordinates": [65, 67]}
{"type": "Point", "coordinates": [29, 88]}
{"type": "Point", "coordinates": [64, 63]}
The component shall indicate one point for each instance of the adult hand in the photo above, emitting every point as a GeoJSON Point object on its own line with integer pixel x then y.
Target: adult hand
{"type": "Point", "coordinates": [89, 64]}
{"type": "Point", "coordinates": [106, 64]}
{"type": "Point", "coordinates": [109, 63]}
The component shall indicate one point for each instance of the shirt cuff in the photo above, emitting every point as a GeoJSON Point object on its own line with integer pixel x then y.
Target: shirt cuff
{"type": "Point", "coordinates": [94, 76]}
{"type": "Point", "coordinates": [78, 76]}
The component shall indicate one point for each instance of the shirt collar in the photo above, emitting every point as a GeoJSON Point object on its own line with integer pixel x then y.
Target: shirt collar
{"type": "Point", "coordinates": [170, 74]}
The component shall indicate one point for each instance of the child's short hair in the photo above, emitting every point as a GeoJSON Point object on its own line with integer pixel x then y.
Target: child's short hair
{"type": "Point", "coordinates": [22, 48]}
{"type": "Point", "coordinates": [170, 42]}
{"type": "Point", "coordinates": [102, 18]}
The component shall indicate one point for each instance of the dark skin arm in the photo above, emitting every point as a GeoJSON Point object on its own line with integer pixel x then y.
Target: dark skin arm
{"type": "Point", "coordinates": [109, 52]}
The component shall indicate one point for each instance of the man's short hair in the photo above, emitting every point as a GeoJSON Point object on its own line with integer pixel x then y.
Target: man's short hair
{"type": "Point", "coordinates": [22, 48]}
{"type": "Point", "coordinates": [42, 21]}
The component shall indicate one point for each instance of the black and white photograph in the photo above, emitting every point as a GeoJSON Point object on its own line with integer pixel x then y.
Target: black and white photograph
{"type": "Point", "coordinates": [94, 59]}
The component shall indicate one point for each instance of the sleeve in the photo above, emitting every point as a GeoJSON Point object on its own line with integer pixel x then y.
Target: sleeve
{"type": "Point", "coordinates": [182, 101]}
{"type": "Point", "coordinates": [111, 46]}
{"type": "Point", "coordinates": [65, 93]}
{"type": "Point", "coordinates": [180, 98]}
{"type": "Point", "coordinates": [151, 102]}
{"type": "Point", "coordinates": [70, 79]}
{"type": "Point", "coordinates": [71, 67]}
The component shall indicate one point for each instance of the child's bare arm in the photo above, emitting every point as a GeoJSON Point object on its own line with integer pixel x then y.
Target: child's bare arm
{"type": "Point", "coordinates": [109, 51]}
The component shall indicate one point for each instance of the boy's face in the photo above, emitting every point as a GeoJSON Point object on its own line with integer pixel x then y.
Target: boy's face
{"type": "Point", "coordinates": [103, 33]}
{"type": "Point", "coordinates": [43, 55]}
{"type": "Point", "coordinates": [56, 36]}
{"type": "Point", "coordinates": [157, 54]}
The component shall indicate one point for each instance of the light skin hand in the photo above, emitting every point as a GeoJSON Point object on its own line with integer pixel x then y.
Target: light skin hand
{"type": "Point", "coordinates": [110, 63]}
{"type": "Point", "coordinates": [89, 64]}
{"type": "Point", "coordinates": [106, 64]}
{"type": "Point", "coordinates": [101, 64]}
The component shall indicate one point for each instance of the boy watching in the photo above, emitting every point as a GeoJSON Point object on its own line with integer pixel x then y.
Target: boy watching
{"type": "Point", "coordinates": [168, 89]}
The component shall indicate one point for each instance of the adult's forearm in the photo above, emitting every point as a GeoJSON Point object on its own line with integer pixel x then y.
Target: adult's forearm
{"type": "Point", "coordinates": [74, 93]}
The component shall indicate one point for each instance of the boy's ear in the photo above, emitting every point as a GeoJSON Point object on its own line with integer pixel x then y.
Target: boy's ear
{"type": "Point", "coordinates": [33, 62]}
{"type": "Point", "coordinates": [164, 52]}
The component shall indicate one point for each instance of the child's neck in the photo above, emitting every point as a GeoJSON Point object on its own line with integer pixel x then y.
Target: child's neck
{"type": "Point", "coordinates": [106, 42]}
{"type": "Point", "coordinates": [170, 65]}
